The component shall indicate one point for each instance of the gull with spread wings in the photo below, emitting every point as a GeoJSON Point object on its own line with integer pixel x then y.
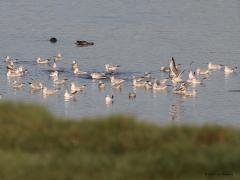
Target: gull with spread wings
{"type": "Point", "coordinates": [174, 73]}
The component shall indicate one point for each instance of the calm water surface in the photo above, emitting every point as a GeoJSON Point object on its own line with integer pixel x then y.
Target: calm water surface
{"type": "Point", "coordinates": [140, 36]}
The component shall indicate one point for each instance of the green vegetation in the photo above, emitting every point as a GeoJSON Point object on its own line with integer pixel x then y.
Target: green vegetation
{"type": "Point", "coordinates": [36, 145]}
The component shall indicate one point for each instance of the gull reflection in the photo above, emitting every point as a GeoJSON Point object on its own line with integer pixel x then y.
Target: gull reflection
{"type": "Point", "coordinates": [175, 110]}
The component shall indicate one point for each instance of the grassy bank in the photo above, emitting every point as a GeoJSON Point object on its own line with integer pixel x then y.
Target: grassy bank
{"type": "Point", "coordinates": [36, 145]}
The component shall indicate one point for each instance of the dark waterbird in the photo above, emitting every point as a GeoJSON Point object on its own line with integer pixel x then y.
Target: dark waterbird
{"type": "Point", "coordinates": [53, 39]}
{"type": "Point", "coordinates": [84, 43]}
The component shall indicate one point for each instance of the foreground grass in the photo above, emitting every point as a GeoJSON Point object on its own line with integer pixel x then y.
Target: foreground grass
{"type": "Point", "coordinates": [36, 145]}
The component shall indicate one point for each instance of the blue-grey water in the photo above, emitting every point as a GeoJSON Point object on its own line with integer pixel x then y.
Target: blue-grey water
{"type": "Point", "coordinates": [138, 35]}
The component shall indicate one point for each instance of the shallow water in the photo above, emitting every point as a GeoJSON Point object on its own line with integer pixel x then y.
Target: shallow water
{"type": "Point", "coordinates": [140, 36]}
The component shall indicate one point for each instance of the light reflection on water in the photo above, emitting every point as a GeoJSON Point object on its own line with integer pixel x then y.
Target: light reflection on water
{"type": "Point", "coordinates": [141, 37]}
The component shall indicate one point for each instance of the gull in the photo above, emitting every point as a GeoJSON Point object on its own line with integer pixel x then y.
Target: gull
{"type": "Point", "coordinates": [212, 66]}
{"type": "Point", "coordinates": [111, 68]}
{"type": "Point", "coordinates": [57, 81]}
{"type": "Point", "coordinates": [116, 82]}
{"type": "Point", "coordinates": [138, 83]}
{"type": "Point", "coordinates": [9, 59]}
{"type": "Point", "coordinates": [174, 73]}
{"type": "Point", "coordinates": [147, 76]}
{"type": "Point", "coordinates": [10, 65]}
{"type": "Point", "coordinates": [77, 88]}
{"type": "Point", "coordinates": [42, 60]}
{"type": "Point", "coordinates": [17, 85]}
{"type": "Point", "coordinates": [165, 69]}
{"type": "Point", "coordinates": [76, 71]}
{"type": "Point", "coordinates": [181, 89]}
{"type": "Point", "coordinates": [109, 99]}
{"type": "Point", "coordinates": [36, 86]}
{"type": "Point", "coordinates": [160, 84]}
{"type": "Point", "coordinates": [14, 73]}
{"type": "Point", "coordinates": [173, 69]}
{"type": "Point", "coordinates": [229, 70]}
{"type": "Point", "coordinates": [176, 79]}
{"type": "Point", "coordinates": [48, 92]}
{"type": "Point", "coordinates": [193, 79]}
{"type": "Point", "coordinates": [101, 85]}
{"type": "Point", "coordinates": [21, 69]}
{"type": "Point", "coordinates": [201, 71]}
{"type": "Point", "coordinates": [138, 78]}
{"type": "Point", "coordinates": [148, 85]}
{"type": "Point", "coordinates": [54, 74]}
{"type": "Point", "coordinates": [98, 75]}
{"type": "Point", "coordinates": [54, 66]}
{"type": "Point", "coordinates": [68, 96]}
{"type": "Point", "coordinates": [74, 65]}
{"type": "Point", "coordinates": [117, 86]}
{"type": "Point", "coordinates": [58, 57]}
{"type": "Point", "coordinates": [191, 75]}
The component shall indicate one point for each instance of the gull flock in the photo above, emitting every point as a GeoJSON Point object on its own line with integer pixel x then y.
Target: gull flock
{"type": "Point", "coordinates": [174, 79]}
